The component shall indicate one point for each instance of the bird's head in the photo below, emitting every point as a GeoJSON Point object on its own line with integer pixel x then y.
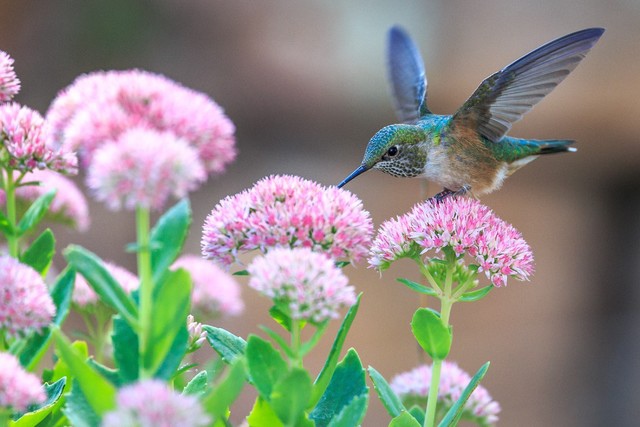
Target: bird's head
{"type": "Point", "coordinates": [396, 150]}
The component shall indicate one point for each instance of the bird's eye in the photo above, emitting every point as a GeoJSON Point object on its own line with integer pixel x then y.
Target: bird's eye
{"type": "Point", "coordinates": [392, 151]}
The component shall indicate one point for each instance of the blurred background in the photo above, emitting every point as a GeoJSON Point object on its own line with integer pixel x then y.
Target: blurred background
{"type": "Point", "coordinates": [305, 84]}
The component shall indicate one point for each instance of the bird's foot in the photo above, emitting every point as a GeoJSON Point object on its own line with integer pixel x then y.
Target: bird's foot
{"type": "Point", "coordinates": [450, 193]}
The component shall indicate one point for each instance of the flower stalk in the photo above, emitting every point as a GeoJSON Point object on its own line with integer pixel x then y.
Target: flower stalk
{"type": "Point", "coordinates": [146, 285]}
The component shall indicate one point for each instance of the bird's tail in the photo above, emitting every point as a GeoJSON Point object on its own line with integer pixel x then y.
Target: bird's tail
{"type": "Point", "coordinates": [549, 146]}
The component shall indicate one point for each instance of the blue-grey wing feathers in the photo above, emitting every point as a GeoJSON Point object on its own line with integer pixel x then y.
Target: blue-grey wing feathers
{"type": "Point", "coordinates": [407, 76]}
{"type": "Point", "coordinates": [507, 95]}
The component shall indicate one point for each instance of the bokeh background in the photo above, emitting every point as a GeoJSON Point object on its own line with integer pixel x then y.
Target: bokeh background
{"type": "Point", "coordinates": [305, 84]}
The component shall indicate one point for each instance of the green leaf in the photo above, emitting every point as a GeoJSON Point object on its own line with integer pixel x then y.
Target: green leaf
{"type": "Point", "coordinates": [170, 366]}
{"type": "Point", "coordinates": [290, 396]}
{"type": "Point", "coordinates": [432, 335]}
{"type": "Point", "coordinates": [125, 350]}
{"type": "Point", "coordinates": [37, 344]}
{"type": "Point", "coordinates": [226, 344]}
{"type": "Point", "coordinates": [112, 375]}
{"type": "Point", "coordinates": [346, 384]}
{"type": "Point", "coordinates": [388, 397]}
{"type": "Point", "coordinates": [342, 264]}
{"type": "Point", "coordinates": [39, 413]}
{"type": "Point", "coordinates": [99, 392]}
{"type": "Point", "coordinates": [352, 414]}
{"type": "Point", "coordinates": [36, 212]}
{"type": "Point", "coordinates": [168, 236]}
{"type": "Point", "coordinates": [265, 365]}
{"type": "Point", "coordinates": [281, 317]}
{"type": "Point", "coordinates": [405, 419]}
{"type": "Point", "coordinates": [452, 417]}
{"type": "Point", "coordinates": [475, 295]}
{"type": "Point", "coordinates": [241, 273]}
{"type": "Point", "coordinates": [198, 384]}
{"type": "Point", "coordinates": [322, 381]}
{"type": "Point", "coordinates": [262, 415]}
{"type": "Point", "coordinates": [40, 253]}
{"type": "Point", "coordinates": [110, 292]}
{"type": "Point", "coordinates": [78, 408]}
{"type": "Point", "coordinates": [418, 412]}
{"type": "Point", "coordinates": [172, 302]}
{"type": "Point", "coordinates": [225, 392]}
{"type": "Point", "coordinates": [418, 287]}
{"type": "Point", "coordinates": [279, 340]}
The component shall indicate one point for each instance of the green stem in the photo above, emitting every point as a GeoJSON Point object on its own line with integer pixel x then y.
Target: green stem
{"type": "Point", "coordinates": [146, 286]}
{"type": "Point", "coordinates": [446, 303]}
{"type": "Point", "coordinates": [295, 344]}
{"type": "Point", "coordinates": [13, 241]}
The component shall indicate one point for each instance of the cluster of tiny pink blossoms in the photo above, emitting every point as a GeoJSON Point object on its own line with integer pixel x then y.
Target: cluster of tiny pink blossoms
{"type": "Point", "coordinates": [287, 211]}
{"type": "Point", "coordinates": [9, 82]}
{"type": "Point", "coordinates": [214, 290]}
{"type": "Point", "coordinates": [308, 284]}
{"type": "Point", "coordinates": [25, 303]}
{"type": "Point", "coordinates": [25, 142]}
{"type": "Point", "coordinates": [413, 388]}
{"type": "Point", "coordinates": [98, 107]}
{"type": "Point", "coordinates": [69, 205]}
{"type": "Point", "coordinates": [85, 297]}
{"type": "Point", "coordinates": [151, 403]}
{"type": "Point", "coordinates": [461, 224]}
{"type": "Point", "coordinates": [144, 168]}
{"type": "Point", "coordinates": [18, 388]}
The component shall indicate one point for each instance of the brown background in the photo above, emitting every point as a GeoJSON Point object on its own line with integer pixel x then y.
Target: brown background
{"type": "Point", "coordinates": [305, 84]}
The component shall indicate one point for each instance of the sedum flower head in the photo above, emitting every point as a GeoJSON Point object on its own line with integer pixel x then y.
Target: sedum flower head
{"type": "Point", "coordinates": [25, 303]}
{"type": "Point", "coordinates": [143, 168]}
{"type": "Point", "coordinates": [84, 296]}
{"type": "Point", "coordinates": [413, 388]}
{"type": "Point", "coordinates": [69, 205]}
{"type": "Point", "coordinates": [307, 284]}
{"type": "Point", "coordinates": [18, 388]}
{"type": "Point", "coordinates": [214, 290]}
{"type": "Point", "coordinates": [98, 107]}
{"type": "Point", "coordinates": [25, 145]}
{"type": "Point", "coordinates": [287, 211]}
{"type": "Point", "coordinates": [151, 403]}
{"type": "Point", "coordinates": [462, 225]}
{"type": "Point", "coordinates": [9, 83]}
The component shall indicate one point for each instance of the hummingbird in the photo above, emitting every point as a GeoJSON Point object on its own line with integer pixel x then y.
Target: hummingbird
{"type": "Point", "coordinates": [469, 151]}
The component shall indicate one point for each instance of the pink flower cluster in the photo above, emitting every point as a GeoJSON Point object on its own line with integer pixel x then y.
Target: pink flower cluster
{"type": "Point", "coordinates": [465, 226]}
{"type": "Point", "coordinates": [84, 296]}
{"type": "Point", "coordinates": [69, 204]}
{"type": "Point", "coordinates": [143, 168]}
{"type": "Point", "coordinates": [25, 303]}
{"type": "Point", "coordinates": [100, 106]}
{"type": "Point", "coordinates": [152, 403]}
{"type": "Point", "coordinates": [9, 82]}
{"type": "Point", "coordinates": [18, 388]}
{"type": "Point", "coordinates": [214, 290]}
{"type": "Point", "coordinates": [287, 211]}
{"type": "Point", "coordinates": [308, 283]}
{"type": "Point", "coordinates": [142, 136]}
{"type": "Point", "coordinates": [25, 138]}
{"type": "Point", "coordinates": [413, 387]}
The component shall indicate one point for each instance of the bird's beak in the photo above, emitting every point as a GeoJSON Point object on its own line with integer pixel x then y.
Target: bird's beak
{"type": "Point", "coordinates": [353, 174]}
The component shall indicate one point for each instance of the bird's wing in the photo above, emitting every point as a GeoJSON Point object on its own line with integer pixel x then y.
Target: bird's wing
{"type": "Point", "coordinates": [507, 95]}
{"type": "Point", "coordinates": [407, 76]}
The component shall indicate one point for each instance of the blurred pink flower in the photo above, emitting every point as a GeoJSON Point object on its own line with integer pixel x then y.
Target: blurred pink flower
{"type": "Point", "coordinates": [287, 211]}
{"type": "Point", "coordinates": [84, 295]}
{"type": "Point", "coordinates": [18, 388]}
{"type": "Point", "coordinates": [9, 82]}
{"type": "Point", "coordinates": [214, 290]}
{"type": "Point", "coordinates": [69, 205]}
{"type": "Point", "coordinates": [462, 224]}
{"type": "Point", "coordinates": [98, 107]}
{"type": "Point", "coordinates": [413, 388]}
{"type": "Point", "coordinates": [308, 283]}
{"type": "Point", "coordinates": [25, 303]}
{"type": "Point", "coordinates": [143, 168]}
{"type": "Point", "coordinates": [151, 403]}
{"type": "Point", "coordinates": [25, 138]}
